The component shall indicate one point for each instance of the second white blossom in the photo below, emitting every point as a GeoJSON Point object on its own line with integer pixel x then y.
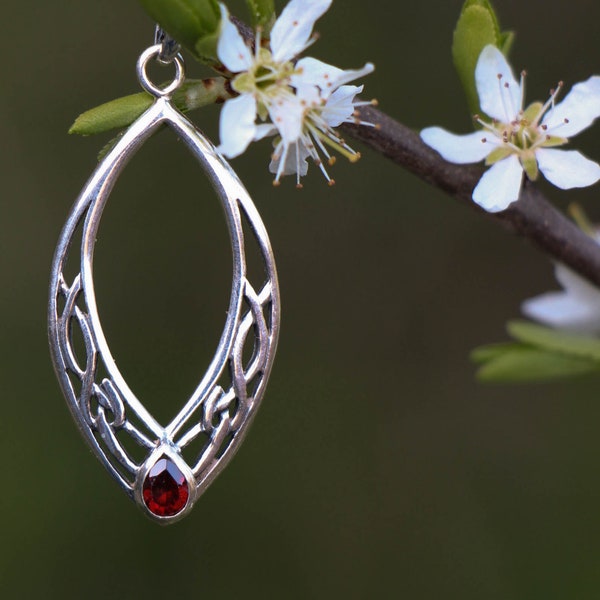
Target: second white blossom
{"type": "Point", "coordinates": [521, 140]}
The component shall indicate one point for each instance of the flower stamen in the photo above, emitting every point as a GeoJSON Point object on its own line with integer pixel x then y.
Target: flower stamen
{"type": "Point", "coordinates": [299, 186]}
{"type": "Point", "coordinates": [257, 43]}
{"type": "Point", "coordinates": [502, 88]}
{"type": "Point", "coordinates": [282, 162]}
{"type": "Point", "coordinates": [550, 103]}
{"type": "Point", "coordinates": [522, 86]}
{"type": "Point", "coordinates": [513, 110]}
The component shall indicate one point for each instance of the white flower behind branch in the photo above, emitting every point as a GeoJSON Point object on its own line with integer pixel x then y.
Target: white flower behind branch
{"type": "Point", "coordinates": [577, 306]}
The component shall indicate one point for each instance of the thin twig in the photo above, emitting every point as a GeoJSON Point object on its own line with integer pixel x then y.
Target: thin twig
{"type": "Point", "coordinates": [532, 216]}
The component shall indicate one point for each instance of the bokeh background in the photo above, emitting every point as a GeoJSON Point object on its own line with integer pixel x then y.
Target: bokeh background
{"type": "Point", "coordinates": [377, 466]}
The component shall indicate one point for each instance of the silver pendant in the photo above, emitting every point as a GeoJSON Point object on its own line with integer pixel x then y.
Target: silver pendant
{"type": "Point", "coordinates": [221, 408]}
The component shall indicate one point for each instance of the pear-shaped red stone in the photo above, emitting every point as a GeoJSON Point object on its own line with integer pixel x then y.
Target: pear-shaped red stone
{"type": "Point", "coordinates": [165, 489]}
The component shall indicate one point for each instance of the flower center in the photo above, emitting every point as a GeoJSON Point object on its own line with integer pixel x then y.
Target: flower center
{"type": "Point", "coordinates": [265, 78]}
{"type": "Point", "coordinates": [523, 134]}
{"type": "Point", "coordinates": [522, 129]}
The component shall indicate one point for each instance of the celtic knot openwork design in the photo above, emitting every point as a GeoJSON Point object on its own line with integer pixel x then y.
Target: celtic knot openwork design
{"type": "Point", "coordinates": [121, 431]}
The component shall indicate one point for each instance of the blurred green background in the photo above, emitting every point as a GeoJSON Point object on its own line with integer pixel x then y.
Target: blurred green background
{"type": "Point", "coordinates": [377, 466]}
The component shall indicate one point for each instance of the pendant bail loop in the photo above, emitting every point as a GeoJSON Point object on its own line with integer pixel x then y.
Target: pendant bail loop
{"type": "Point", "coordinates": [153, 53]}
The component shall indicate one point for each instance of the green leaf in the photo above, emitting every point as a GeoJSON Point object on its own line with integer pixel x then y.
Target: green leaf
{"type": "Point", "coordinates": [263, 14]}
{"type": "Point", "coordinates": [207, 46]}
{"type": "Point", "coordinates": [539, 354]}
{"type": "Point", "coordinates": [193, 23]}
{"type": "Point", "coordinates": [484, 354]}
{"type": "Point", "coordinates": [111, 115]}
{"type": "Point", "coordinates": [545, 338]}
{"type": "Point", "coordinates": [194, 93]}
{"type": "Point", "coordinates": [477, 27]}
{"type": "Point", "coordinates": [526, 364]}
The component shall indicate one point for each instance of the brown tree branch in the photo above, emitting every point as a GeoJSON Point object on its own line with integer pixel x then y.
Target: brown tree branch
{"type": "Point", "coordinates": [532, 216]}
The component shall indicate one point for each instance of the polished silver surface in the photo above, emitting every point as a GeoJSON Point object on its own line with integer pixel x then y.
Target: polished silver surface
{"type": "Point", "coordinates": [229, 393]}
{"type": "Point", "coordinates": [154, 53]}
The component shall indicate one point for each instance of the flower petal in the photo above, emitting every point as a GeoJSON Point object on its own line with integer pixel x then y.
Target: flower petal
{"type": "Point", "coordinates": [564, 311]}
{"type": "Point", "coordinates": [500, 185]}
{"type": "Point", "coordinates": [576, 285]}
{"type": "Point", "coordinates": [352, 74]}
{"type": "Point", "coordinates": [295, 159]}
{"type": "Point", "coordinates": [264, 130]}
{"type": "Point", "coordinates": [237, 126]}
{"type": "Point", "coordinates": [580, 108]}
{"type": "Point", "coordinates": [327, 77]}
{"type": "Point", "coordinates": [567, 168]}
{"type": "Point", "coordinates": [287, 114]}
{"type": "Point", "coordinates": [459, 149]}
{"type": "Point", "coordinates": [231, 49]}
{"type": "Point", "coordinates": [310, 71]}
{"type": "Point", "coordinates": [309, 96]}
{"type": "Point", "coordinates": [340, 105]}
{"type": "Point", "coordinates": [292, 30]}
{"type": "Point", "coordinates": [499, 97]}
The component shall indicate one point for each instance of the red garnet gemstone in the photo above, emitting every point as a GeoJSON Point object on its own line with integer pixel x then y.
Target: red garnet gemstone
{"type": "Point", "coordinates": [165, 489]}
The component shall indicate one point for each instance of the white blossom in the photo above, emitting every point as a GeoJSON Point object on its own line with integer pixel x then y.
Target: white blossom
{"type": "Point", "coordinates": [300, 102]}
{"type": "Point", "coordinates": [319, 118]}
{"type": "Point", "coordinates": [521, 140]}
{"type": "Point", "coordinates": [575, 308]}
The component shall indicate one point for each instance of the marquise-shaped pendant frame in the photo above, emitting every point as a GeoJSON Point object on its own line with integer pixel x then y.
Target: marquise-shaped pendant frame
{"type": "Point", "coordinates": [227, 397]}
